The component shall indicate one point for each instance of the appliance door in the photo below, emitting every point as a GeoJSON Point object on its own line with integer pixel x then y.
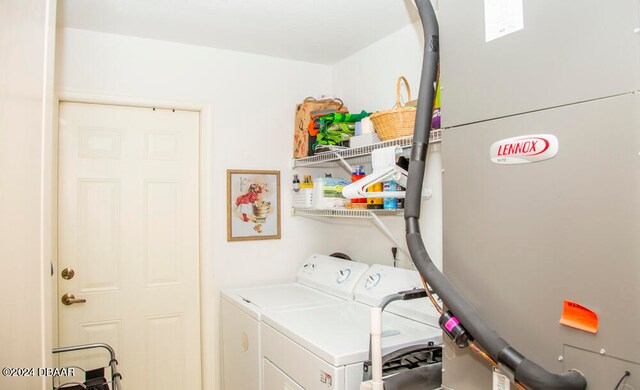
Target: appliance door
{"type": "Point", "coordinates": [241, 348]}
{"type": "Point", "coordinates": [298, 364]}
{"type": "Point", "coordinates": [520, 239]}
{"type": "Point", "coordinates": [284, 295]}
{"type": "Point", "coordinates": [275, 379]}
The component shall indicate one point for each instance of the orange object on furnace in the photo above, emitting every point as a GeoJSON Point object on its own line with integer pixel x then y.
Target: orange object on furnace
{"type": "Point", "coordinates": [577, 316]}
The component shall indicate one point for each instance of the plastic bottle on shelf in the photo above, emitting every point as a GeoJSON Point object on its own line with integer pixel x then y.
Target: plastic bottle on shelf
{"type": "Point", "coordinates": [389, 203]}
{"type": "Point", "coordinates": [296, 183]}
{"type": "Point", "coordinates": [375, 203]}
{"type": "Point", "coordinates": [307, 183]}
{"type": "Point", "coordinates": [400, 201]}
{"type": "Point", "coordinates": [355, 176]}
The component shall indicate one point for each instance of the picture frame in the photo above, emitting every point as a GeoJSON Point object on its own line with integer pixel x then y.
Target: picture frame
{"type": "Point", "coordinates": [253, 205]}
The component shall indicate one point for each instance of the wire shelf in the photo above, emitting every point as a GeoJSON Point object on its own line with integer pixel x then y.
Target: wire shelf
{"type": "Point", "coordinates": [331, 159]}
{"type": "Point", "coordinates": [345, 213]}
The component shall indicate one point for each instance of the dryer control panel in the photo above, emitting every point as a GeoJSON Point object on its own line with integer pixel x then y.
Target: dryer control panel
{"type": "Point", "coordinates": [332, 275]}
{"type": "Point", "coordinates": [381, 280]}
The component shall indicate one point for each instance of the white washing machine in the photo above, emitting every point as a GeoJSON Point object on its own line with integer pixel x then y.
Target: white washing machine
{"type": "Point", "coordinates": [321, 280]}
{"type": "Point", "coordinates": [324, 347]}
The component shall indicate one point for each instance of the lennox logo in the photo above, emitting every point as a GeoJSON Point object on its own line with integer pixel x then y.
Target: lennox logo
{"type": "Point", "coordinates": [528, 147]}
{"type": "Point", "coordinates": [525, 149]}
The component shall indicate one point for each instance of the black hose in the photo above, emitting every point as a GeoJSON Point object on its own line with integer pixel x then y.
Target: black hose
{"type": "Point", "coordinates": [526, 372]}
{"type": "Point", "coordinates": [626, 374]}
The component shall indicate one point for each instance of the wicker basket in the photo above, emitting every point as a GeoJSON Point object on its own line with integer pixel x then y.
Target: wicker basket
{"type": "Point", "coordinates": [397, 122]}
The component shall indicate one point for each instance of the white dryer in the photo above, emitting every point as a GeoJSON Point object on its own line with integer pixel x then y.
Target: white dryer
{"type": "Point", "coordinates": [321, 280]}
{"type": "Point", "coordinates": [323, 348]}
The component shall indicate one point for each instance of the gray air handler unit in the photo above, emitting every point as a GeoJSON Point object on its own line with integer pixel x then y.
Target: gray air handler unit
{"type": "Point", "coordinates": [541, 157]}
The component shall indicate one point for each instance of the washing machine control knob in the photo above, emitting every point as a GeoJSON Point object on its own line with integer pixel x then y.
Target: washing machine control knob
{"type": "Point", "coordinates": [372, 281]}
{"type": "Point", "coordinates": [343, 275]}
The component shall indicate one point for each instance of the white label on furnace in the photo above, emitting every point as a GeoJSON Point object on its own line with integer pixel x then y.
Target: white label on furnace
{"type": "Point", "coordinates": [502, 17]}
{"type": "Point", "coordinates": [500, 382]}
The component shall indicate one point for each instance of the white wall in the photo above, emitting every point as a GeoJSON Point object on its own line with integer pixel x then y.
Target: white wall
{"type": "Point", "coordinates": [27, 31]}
{"type": "Point", "coordinates": [367, 80]}
{"type": "Point", "coordinates": [253, 99]}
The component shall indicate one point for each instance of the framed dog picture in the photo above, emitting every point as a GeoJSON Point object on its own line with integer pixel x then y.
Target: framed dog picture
{"type": "Point", "coordinates": [253, 205]}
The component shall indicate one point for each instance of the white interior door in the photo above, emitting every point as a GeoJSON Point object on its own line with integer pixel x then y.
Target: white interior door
{"type": "Point", "coordinates": [129, 228]}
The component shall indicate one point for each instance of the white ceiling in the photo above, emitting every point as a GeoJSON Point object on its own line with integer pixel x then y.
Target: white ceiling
{"type": "Point", "coordinates": [320, 31]}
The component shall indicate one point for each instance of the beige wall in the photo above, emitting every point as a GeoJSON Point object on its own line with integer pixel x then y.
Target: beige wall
{"type": "Point", "coordinates": [27, 29]}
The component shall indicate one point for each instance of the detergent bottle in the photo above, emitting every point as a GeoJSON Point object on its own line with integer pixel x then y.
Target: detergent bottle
{"type": "Point", "coordinates": [355, 176]}
{"type": "Point", "coordinates": [390, 203]}
{"type": "Point", "coordinates": [375, 203]}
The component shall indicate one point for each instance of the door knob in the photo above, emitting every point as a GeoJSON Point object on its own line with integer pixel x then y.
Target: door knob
{"type": "Point", "coordinates": [70, 299]}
